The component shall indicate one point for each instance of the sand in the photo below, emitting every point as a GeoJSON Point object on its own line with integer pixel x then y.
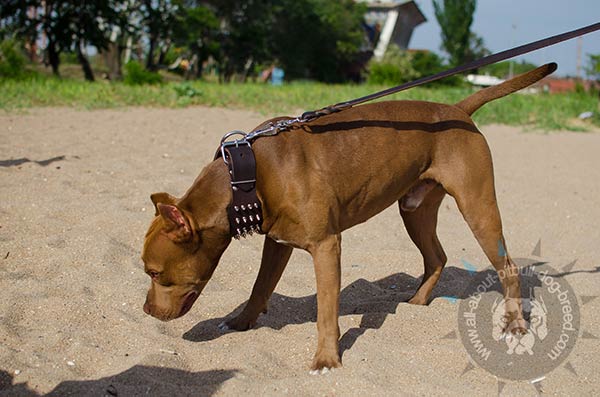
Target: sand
{"type": "Point", "coordinates": [74, 208]}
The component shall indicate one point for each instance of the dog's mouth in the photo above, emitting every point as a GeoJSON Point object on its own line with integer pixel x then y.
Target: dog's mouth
{"type": "Point", "coordinates": [188, 302]}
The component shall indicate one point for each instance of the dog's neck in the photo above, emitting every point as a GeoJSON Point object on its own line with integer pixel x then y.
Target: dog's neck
{"type": "Point", "coordinates": [208, 197]}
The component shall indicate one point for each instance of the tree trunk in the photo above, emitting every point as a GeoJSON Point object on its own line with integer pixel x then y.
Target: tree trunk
{"type": "Point", "coordinates": [197, 61]}
{"type": "Point", "coordinates": [247, 67]}
{"type": "Point", "coordinates": [163, 53]}
{"type": "Point", "coordinates": [32, 15]}
{"type": "Point", "coordinates": [51, 51]}
{"type": "Point", "coordinates": [85, 64]}
{"type": "Point", "coordinates": [150, 60]}
{"type": "Point", "coordinates": [53, 57]}
{"type": "Point", "coordinates": [112, 58]}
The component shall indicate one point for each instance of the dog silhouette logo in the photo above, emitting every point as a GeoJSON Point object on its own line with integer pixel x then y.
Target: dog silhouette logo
{"type": "Point", "coordinates": [533, 309]}
{"type": "Point", "coordinates": [493, 333]}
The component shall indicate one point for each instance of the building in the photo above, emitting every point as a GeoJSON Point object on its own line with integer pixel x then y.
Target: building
{"type": "Point", "coordinates": [390, 22]}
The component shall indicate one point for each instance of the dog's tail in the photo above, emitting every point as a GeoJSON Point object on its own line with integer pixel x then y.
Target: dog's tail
{"type": "Point", "coordinates": [480, 98]}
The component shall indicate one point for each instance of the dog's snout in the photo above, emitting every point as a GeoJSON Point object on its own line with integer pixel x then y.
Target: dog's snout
{"type": "Point", "coordinates": [146, 308]}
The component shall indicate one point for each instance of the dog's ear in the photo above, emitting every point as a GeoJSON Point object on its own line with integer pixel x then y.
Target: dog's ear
{"type": "Point", "coordinates": [162, 197]}
{"type": "Point", "coordinates": [177, 227]}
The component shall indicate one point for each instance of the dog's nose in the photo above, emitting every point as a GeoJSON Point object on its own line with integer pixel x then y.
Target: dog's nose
{"type": "Point", "coordinates": [146, 308]}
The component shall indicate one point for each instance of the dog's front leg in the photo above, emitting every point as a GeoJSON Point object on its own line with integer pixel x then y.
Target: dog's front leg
{"type": "Point", "coordinates": [326, 258]}
{"type": "Point", "coordinates": [274, 259]}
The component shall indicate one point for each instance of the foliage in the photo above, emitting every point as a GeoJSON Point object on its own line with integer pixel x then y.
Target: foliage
{"type": "Point", "coordinates": [158, 21]}
{"type": "Point", "coordinates": [455, 18]}
{"type": "Point", "coordinates": [395, 68]}
{"type": "Point", "coordinates": [12, 62]}
{"type": "Point", "coordinates": [427, 63]}
{"type": "Point", "coordinates": [67, 26]}
{"type": "Point", "coordinates": [399, 67]}
{"type": "Point", "coordinates": [308, 38]}
{"type": "Point", "coordinates": [196, 33]}
{"type": "Point", "coordinates": [314, 39]}
{"type": "Point", "coordinates": [135, 74]}
{"type": "Point", "coordinates": [593, 66]}
{"type": "Point", "coordinates": [336, 35]}
{"type": "Point", "coordinates": [476, 48]}
{"type": "Point", "coordinates": [186, 90]}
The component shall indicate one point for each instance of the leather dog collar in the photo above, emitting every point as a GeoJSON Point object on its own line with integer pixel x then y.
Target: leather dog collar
{"type": "Point", "coordinates": [245, 210]}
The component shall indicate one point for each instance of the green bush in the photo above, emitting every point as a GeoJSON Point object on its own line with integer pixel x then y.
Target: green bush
{"type": "Point", "coordinates": [395, 68]}
{"type": "Point", "coordinates": [384, 74]}
{"type": "Point", "coordinates": [398, 67]}
{"type": "Point", "coordinates": [69, 57]}
{"type": "Point", "coordinates": [186, 90]}
{"type": "Point", "coordinates": [12, 62]}
{"type": "Point", "coordinates": [135, 74]}
{"type": "Point", "coordinates": [429, 63]}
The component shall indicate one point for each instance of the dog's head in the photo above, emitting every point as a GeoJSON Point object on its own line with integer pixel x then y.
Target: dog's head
{"type": "Point", "coordinates": [180, 255]}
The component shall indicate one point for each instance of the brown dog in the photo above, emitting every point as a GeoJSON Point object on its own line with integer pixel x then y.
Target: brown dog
{"type": "Point", "coordinates": [324, 176]}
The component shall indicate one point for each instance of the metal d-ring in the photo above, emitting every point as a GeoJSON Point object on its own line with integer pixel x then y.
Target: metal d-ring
{"type": "Point", "coordinates": [231, 133]}
{"type": "Point", "coordinates": [235, 142]}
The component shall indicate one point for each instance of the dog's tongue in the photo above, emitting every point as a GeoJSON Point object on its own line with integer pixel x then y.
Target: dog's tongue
{"type": "Point", "coordinates": [188, 302]}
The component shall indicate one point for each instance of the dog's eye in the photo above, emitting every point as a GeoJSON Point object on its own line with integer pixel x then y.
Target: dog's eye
{"type": "Point", "coordinates": [153, 274]}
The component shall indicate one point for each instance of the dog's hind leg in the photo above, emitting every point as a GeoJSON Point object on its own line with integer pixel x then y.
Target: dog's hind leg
{"type": "Point", "coordinates": [274, 259]}
{"type": "Point", "coordinates": [473, 189]}
{"type": "Point", "coordinates": [421, 223]}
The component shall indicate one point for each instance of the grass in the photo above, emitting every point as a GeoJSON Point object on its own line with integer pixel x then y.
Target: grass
{"type": "Point", "coordinates": [547, 112]}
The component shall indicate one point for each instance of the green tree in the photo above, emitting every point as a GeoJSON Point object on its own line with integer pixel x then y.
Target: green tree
{"type": "Point", "coordinates": [158, 18]}
{"type": "Point", "coordinates": [455, 18]}
{"type": "Point", "coordinates": [339, 36]}
{"type": "Point", "coordinates": [197, 30]}
{"type": "Point", "coordinates": [67, 26]}
{"type": "Point", "coordinates": [593, 66]}
{"type": "Point", "coordinates": [308, 38]}
{"type": "Point", "coordinates": [246, 34]}
{"type": "Point", "coordinates": [122, 31]}
{"type": "Point", "coordinates": [19, 19]}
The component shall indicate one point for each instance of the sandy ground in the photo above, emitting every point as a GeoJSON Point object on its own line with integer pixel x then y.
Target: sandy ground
{"type": "Point", "coordinates": [74, 208]}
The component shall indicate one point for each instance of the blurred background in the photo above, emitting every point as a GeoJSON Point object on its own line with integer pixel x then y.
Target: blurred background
{"type": "Point", "coordinates": [348, 42]}
{"type": "Point", "coordinates": [324, 40]}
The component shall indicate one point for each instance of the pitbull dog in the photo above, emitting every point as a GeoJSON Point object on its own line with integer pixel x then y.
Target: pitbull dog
{"type": "Point", "coordinates": [324, 176]}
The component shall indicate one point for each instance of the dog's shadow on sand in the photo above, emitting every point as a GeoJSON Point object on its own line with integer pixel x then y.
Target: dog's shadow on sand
{"type": "Point", "coordinates": [375, 300]}
{"type": "Point", "coordinates": [136, 381]}
{"type": "Point", "coordinates": [372, 300]}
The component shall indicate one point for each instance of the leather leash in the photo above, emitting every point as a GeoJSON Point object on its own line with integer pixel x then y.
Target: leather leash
{"type": "Point", "coordinates": [488, 60]}
{"type": "Point", "coordinates": [245, 211]}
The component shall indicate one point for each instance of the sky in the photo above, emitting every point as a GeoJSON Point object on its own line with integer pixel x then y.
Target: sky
{"type": "Point", "coordinates": [532, 20]}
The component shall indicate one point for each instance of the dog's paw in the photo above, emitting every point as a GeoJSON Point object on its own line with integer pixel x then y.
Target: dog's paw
{"type": "Point", "coordinates": [323, 371]}
{"type": "Point", "coordinates": [517, 327]}
{"type": "Point", "coordinates": [239, 323]}
{"type": "Point", "coordinates": [323, 363]}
